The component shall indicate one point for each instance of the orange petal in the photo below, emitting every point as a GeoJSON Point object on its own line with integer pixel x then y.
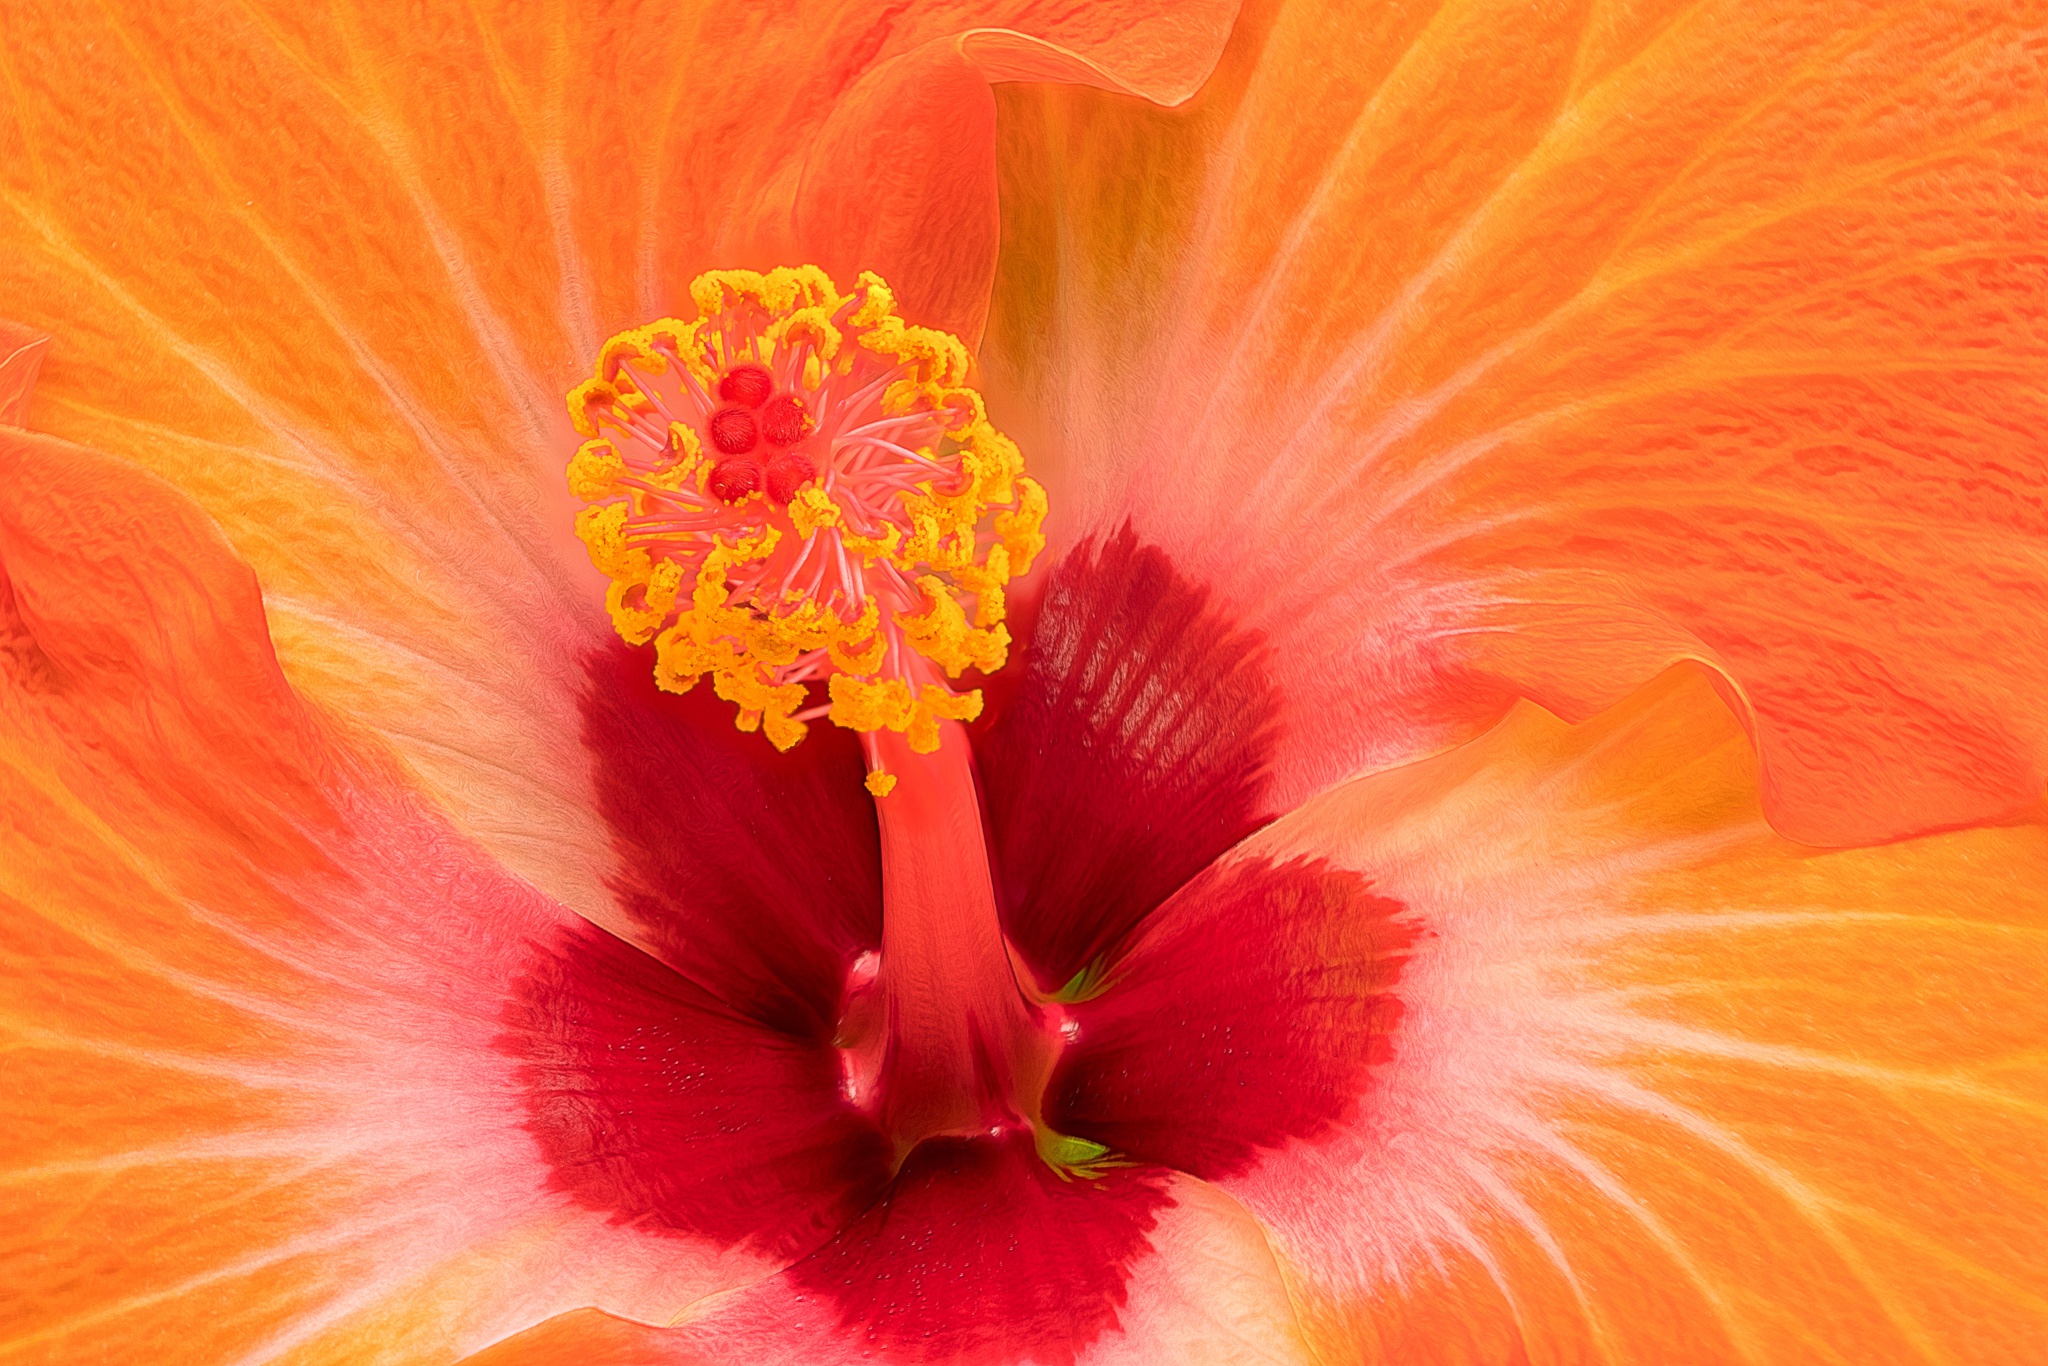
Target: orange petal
{"type": "Point", "coordinates": [21, 360]}
{"type": "Point", "coordinates": [1503, 352]}
{"type": "Point", "coordinates": [901, 178]}
{"type": "Point", "coordinates": [589, 1338]}
{"type": "Point", "coordinates": [330, 271]}
{"type": "Point", "coordinates": [253, 988]}
{"type": "Point", "coordinates": [903, 182]}
{"type": "Point", "coordinates": [1211, 1294]}
{"type": "Point", "coordinates": [1668, 1087]}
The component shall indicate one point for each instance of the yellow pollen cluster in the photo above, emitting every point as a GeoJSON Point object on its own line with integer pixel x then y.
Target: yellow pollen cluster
{"type": "Point", "coordinates": [838, 544]}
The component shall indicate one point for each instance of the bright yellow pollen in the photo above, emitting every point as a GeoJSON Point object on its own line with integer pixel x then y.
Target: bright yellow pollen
{"type": "Point", "coordinates": [861, 594]}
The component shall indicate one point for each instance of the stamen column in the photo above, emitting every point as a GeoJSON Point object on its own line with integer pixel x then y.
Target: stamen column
{"type": "Point", "coordinates": [965, 1050]}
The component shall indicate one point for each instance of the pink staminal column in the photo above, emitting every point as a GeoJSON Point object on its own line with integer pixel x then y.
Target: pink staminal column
{"type": "Point", "coordinates": [941, 1037]}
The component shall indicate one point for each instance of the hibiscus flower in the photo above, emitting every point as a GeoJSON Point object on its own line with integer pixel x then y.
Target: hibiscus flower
{"type": "Point", "coordinates": [1512, 474]}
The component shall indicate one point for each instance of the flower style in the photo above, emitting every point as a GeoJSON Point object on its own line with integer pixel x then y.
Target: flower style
{"type": "Point", "coordinates": [1510, 476]}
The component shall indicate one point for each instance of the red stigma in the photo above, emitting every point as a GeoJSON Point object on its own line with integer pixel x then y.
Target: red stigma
{"type": "Point", "coordinates": [784, 421]}
{"type": "Point", "coordinates": [749, 385]}
{"type": "Point", "coordinates": [732, 480]}
{"type": "Point", "coordinates": [733, 430]}
{"type": "Point", "coordinates": [789, 472]}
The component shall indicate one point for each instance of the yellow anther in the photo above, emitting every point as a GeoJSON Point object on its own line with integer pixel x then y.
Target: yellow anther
{"type": "Point", "coordinates": [812, 508]}
{"type": "Point", "coordinates": [935, 704]}
{"type": "Point", "coordinates": [634, 346]}
{"type": "Point", "coordinates": [841, 588]}
{"type": "Point", "coordinates": [635, 622]}
{"type": "Point", "coordinates": [810, 324]}
{"type": "Point", "coordinates": [986, 581]}
{"type": "Point", "coordinates": [708, 290]}
{"type": "Point", "coordinates": [864, 660]}
{"type": "Point", "coordinates": [1020, 529]}
{"type": "Point", "coordinates": [885, 545]}
{"type": "Point", "coordinates": [589, 401]}
{"type": "Point", "coordinates": [595, 471]}
{"type": "Point", "coordinates": [871, 704]}
{"type": "Point", "coordinates": [879, 304]}
{"type": "Point", "coordinates": [602, 530]}
{"type": "Point", "coordinates": [847, 651]}
{"type": "Point", "coordinates": [941, 634]}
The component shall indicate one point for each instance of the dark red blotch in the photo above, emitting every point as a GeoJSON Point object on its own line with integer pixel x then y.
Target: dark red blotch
{"type": "Point", "coordinates": [655, 1103]}
{"type": "Point", "coordinates": [1251, 1009]}
{"type": "Point", "coordinates": [978, 1253]}
{"type": "Point", "coordinates": [754, 873]}
{"type": "Point", "coordinates": [1129, 754]}
{"type": "Point", "coordinates": [696, 1089]}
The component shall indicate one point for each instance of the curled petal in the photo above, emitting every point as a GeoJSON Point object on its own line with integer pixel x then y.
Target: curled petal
{"type": "Point", "coordinates": [1667, 1086]}
{"type": "Point", "coordinates": [589, 1336]}
{"type": "Point", "coordinates": [329, 271]}
{"type": "Point", "coordinates": [1512, 355]}
{"type": "Point", "coordinates": [254, 985]}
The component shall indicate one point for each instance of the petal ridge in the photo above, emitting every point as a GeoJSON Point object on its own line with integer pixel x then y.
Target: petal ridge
{"type": "Point", "coordinates": [21, 359]}
{"type": "Point", "coordinates": [1672, 1087]}
{"type": "Point", "coordinates": [253, 1104]}
{"type": "Point", "coordinates": [1129, 752]}
{"type": "Point", "coordinates": [1540, 384]}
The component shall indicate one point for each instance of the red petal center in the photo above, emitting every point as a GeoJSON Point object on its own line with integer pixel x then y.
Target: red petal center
{"type": "Point", "coordinates": [1215, 1014]}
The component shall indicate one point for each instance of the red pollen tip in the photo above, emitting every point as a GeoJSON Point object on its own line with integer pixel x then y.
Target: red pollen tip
{"type": "Point", "coordinates": [746, 384]}
{"type": "Point", "coordinates": [784, 421]}
{"type": "Point", "coordinates": [733, 430]}
{"type": "Point", "coordinates": [732, 480]}
{"type": "Point", "coordinates": [789, 472]}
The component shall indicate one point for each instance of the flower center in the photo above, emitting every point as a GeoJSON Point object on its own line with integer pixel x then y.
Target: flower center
{"type": "Point", "coordinates": [797, 490]}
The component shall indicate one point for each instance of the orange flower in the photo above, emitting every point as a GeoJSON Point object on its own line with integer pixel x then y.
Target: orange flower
{"type": "Point", "coordinates": [1543, 351]}
{"type": "Point", "coordinates": [1433, 375]}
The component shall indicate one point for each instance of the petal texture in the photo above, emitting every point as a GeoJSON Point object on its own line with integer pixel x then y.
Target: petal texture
{"type": "Point", "coordinates": [1475, 351]}
{"type": "Point", "coordinates": [1254, 1008]}
{"type": "Point", "coordinates": [330, 271]}
{"type": "Point", "coordinates": [1130, 751]}
{"type": "Point", "coordinates": [757, 875]}
{"type": "Point", "coordinates": [1668, 1087]}
{"type": "Point", "coordinates": [255, 1107]}
{"type": "Point", "coordinates": [1211, 1294]}
{"type": "Point", "coordinates": [21, 360]}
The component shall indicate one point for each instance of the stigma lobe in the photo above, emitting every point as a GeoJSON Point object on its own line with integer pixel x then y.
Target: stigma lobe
{"type": "Point", "coordinates": [734, 431]}
{"type": "Point", "coordinates": [784, 420]}
{"type": "Point", "coordinates": [789, 472]}
{"type": "Point", "coordinates": [746, 385]}
{"type": "Point", "coordinates": [732, 480]}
